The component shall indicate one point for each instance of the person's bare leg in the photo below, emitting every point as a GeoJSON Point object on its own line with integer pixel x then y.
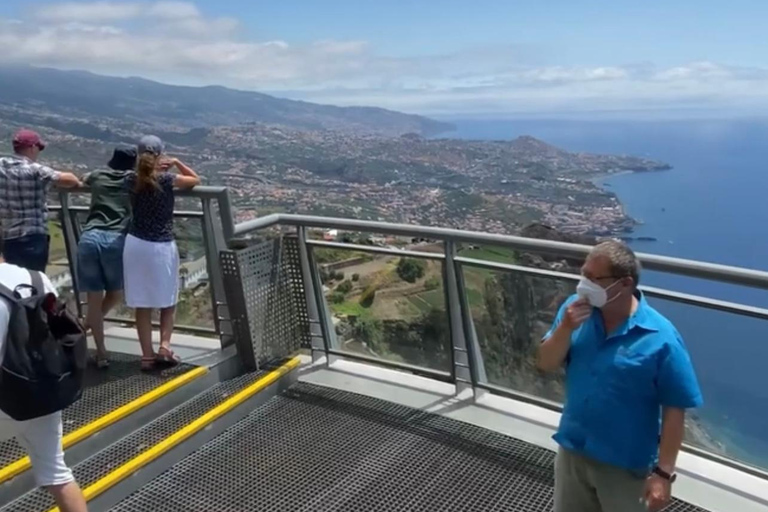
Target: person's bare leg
{"type": "Point", "coordinates": [95, 320]}
{"type": "Point", "coordinates": [167, 318]}
{"type": "Point", "coordinates": [111, 299]}
{"type": "Point", "coordinates": [68, 497]}
{"type": "Point", "coordinates": [144, 330]}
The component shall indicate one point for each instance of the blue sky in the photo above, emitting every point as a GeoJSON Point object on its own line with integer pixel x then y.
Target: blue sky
{"type": "Point", "coordinates": [447, 57]}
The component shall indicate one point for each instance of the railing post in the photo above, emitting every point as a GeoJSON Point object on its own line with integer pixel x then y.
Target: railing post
{"type": "Point", "coordinates": [214, 241]}
{"type": "Point", "coordinates": [475, 355]}
{"type": "Point", "coordinates": [317, 319]}
{"type": "Point", "coordinates": [70, 234]}
{"type": "Point", "coordinates": [462, 369]}
{"type": "Point", "coordinates": [226, 215]}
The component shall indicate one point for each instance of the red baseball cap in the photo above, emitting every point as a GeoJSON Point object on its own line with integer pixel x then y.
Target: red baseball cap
{"type": "Point", "coordinates": [27, 139]}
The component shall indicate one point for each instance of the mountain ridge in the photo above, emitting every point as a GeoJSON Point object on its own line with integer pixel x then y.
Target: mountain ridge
{"type": "Point", "coordinates": [88, 95]}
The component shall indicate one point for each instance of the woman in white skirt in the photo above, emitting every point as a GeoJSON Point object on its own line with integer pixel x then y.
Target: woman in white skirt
{"type": "Point", "coordinates": [150, 257]}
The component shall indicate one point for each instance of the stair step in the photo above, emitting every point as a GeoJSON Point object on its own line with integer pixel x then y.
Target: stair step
{"type": "Point", "coordinates": [120, 460]}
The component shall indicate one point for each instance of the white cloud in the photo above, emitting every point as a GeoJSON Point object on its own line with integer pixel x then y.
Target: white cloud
{"type": "Point", "coordinates": [88, 12]}
{"type": "Point", "coordinates": [108, 11]}
{"type": "Point", "coordinates": [695, 71]}
{"type": "Point", "coordinates": [174, 41]}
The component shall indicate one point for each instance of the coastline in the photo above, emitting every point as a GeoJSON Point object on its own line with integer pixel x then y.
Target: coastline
{"type": "Point", "coordinates": [628, 227]}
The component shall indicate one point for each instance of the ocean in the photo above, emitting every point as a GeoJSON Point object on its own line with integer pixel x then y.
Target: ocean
{"type": "Point", "coordinates": [712, 207]}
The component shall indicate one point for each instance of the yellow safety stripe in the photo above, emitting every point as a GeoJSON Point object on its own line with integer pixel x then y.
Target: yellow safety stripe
{"type": "Point", "coordinates": [19, 466]}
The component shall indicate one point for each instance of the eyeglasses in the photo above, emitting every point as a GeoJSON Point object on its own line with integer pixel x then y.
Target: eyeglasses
{"type": "Point", "coordinates": [602, 278]}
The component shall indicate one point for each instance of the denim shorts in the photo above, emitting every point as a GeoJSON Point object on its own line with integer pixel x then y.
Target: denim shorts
{"type": "Point", "coordinates": [100, 261]}
{"type": "Point", "coordinates": [28, 251]}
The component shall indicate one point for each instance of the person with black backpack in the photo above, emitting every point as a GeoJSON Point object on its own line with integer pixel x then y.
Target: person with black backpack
{"type": "Point", "coordinates": [43, 356]}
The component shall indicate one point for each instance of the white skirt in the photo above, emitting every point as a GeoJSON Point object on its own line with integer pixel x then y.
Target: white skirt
{"type": "Point", "coordinates": [151, 273]}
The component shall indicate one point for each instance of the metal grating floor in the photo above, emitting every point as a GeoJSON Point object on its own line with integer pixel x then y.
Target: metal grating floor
{"type": "Point", "coordinates": [316, 449]}
{"type": "Point", "coordinates": [105, 391]}
{"type": "Point", "coordinates": [112, 457]}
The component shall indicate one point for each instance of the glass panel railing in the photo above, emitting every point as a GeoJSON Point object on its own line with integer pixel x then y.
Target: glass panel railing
{"type": "Point", "coordinates": [399, 243]}
{"type": "Point", "coordinates": [729, 353]}
{"type": "Point", "coordinates": [490, 253]}
{"type": "Point", "coordinates": [194, 307]}
{"type": "Point", "coordinates": [511, 313]}
{"type": "Point", "coordinates": [58, 270]}
{"type": "Point", "coordinates": [387, 307]}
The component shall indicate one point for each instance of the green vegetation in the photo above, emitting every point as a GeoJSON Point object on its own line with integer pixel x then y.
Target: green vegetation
{"type": "Point", "coordinates": [368, 329]}
{"type": "Point", "coordinates": [517, 311]}
{"type": "Point", "coordinates": [435, 299]}
{"type": "Point", "coordinates": [369, 295]}
{"type": "Point", "coordinates": [323, 256]}
{"type": "Point", "coordinates": [490, 253]}
{"type": "Point", "coordinates": [349, 308]}
{"type": "Point", "coordinates": [344, 287]}
{"type": "Point", "coordinates": [474, 297]}
{"type": "Point", "coordinates": [58, 249]}
{"type": "Point", "coordinates": [327, 276]}
{"type": "Point", "coordinates": [411, 270]}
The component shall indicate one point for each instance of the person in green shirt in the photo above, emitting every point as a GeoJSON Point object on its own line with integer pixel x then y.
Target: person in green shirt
{"type": "Point", "coordinates": [100, 250]}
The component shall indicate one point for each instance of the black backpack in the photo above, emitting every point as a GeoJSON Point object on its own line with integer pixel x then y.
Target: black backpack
{"type": "Point", "coordinates": [45, 354]}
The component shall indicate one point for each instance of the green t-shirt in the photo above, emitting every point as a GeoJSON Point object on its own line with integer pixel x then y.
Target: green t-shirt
{"type": "Point", "coordinates": [110, 205]}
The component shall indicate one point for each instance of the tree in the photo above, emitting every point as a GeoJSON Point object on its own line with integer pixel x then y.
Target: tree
{"type": "Point", "coordinates": [433, 283]}
{"type": "Point", "coordinates": [337, 297]}
{"type": "Point", "coordinates": [369, 330]}
{"type": "Point", "coordinates": [411, 270]}
{"type": "Point", "coordinates": [344, 287]}
{"type": "Point", "coordinates": [355, 277]}
{"type": "Point", "coordinates": [368, 296]}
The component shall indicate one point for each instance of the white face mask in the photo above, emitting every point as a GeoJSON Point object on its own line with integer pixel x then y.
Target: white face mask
{"type": "Point", "coordinates": [595, 294]}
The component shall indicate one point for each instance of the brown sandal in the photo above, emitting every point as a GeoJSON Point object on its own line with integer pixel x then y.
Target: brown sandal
{"type": "Point", "coordinates": [166, 357]}
{"type": "Point", "coordinates": [148, 363]}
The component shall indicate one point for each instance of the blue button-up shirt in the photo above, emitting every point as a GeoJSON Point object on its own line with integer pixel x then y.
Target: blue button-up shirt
{"type": "Point", "coordinates": [617, 384]}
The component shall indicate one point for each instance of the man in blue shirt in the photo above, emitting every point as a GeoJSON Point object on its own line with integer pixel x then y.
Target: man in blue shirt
{"type": "Point", "coordinates": [629, 380]}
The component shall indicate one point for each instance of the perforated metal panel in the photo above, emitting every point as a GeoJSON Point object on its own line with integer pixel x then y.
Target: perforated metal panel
{"type": "Point", "coordinates": [317, 449]}
{"type": "Point", "coordinates": [107, 460]}
{"type": "Point", "coordinates": [265, 293]}
{"type": "Point", "coordinates": [104, 392]}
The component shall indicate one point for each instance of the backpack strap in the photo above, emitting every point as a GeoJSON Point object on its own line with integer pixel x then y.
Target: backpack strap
{"type": "Point", "coordinates": [7, 293]}
{"type": "Point", "coordinates": [37, 282]}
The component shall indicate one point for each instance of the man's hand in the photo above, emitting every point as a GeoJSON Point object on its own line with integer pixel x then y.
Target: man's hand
{"type": "Point", "coordinates": [576, 314]}
{"type": "Point", "coordinates": [554, 349]}
{"type": "Point", "coordinates": [657, 493]}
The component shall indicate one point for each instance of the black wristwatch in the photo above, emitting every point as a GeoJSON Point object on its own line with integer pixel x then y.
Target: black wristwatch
{"type": "Point", "coordinates": [663, 474]}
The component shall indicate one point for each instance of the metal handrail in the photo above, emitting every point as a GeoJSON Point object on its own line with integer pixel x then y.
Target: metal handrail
{"type": "Point", "coordinates": [191, 214]}
{"type": "Point", "coordinates": [678, 266]}
{"type": "Point", "coordinates": [219, 194]}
